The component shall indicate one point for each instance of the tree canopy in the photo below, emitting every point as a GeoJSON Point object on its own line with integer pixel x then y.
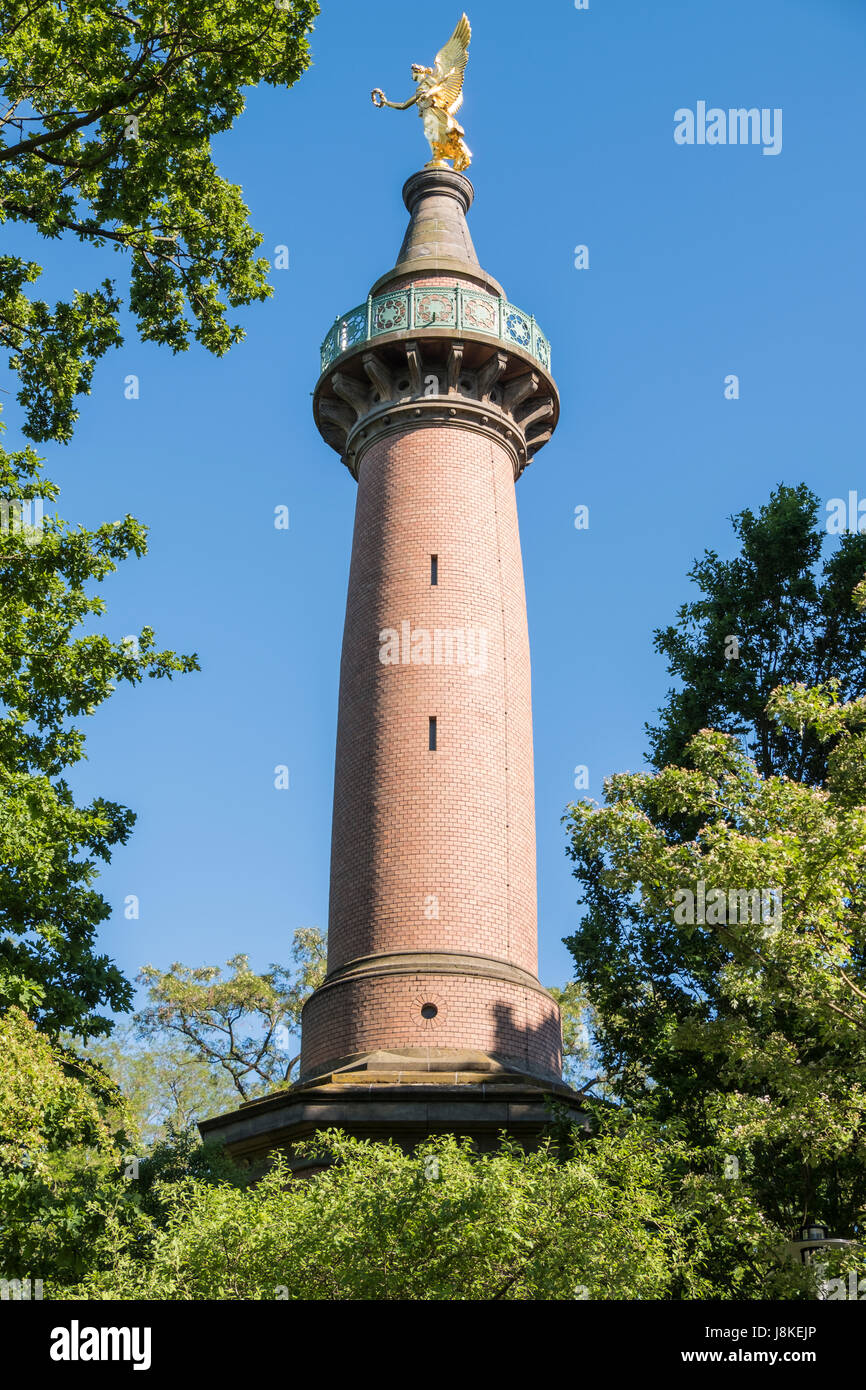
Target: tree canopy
{"type": "Point", "coordinates": [774, 614]}
{"type": "Point", "coordinates": [243, 1027]}
{"type": "Point", "coordinates": [108, 113]}
{"type": "Point", "coordinates": [620, 1217]}
{"type": "Point", "coordinates": [723, 948]}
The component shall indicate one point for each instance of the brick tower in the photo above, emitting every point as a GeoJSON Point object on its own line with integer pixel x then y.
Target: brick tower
{"type": "Point", "coordinates": [436, 392]}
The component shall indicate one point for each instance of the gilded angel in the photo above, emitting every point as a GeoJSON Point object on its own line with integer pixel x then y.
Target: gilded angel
{"type": "Point", "coordinates": [439, 96]}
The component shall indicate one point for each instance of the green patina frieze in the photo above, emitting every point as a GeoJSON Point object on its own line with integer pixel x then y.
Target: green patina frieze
{"type": "Point", "coordinates": [415, 308]}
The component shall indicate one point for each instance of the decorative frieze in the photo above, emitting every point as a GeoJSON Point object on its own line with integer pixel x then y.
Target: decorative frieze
{"type": "Point", "coordinates": [424, 306]}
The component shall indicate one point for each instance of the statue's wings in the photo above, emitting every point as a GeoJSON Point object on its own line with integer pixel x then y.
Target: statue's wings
{"type": "Point", "coordinates": [451, 64]}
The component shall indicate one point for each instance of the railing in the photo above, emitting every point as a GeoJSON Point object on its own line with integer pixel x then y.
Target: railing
{"type": "Point", "coordinates": [417, 308]}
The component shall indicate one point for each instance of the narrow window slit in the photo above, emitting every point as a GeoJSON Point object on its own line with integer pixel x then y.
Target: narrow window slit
{"type": "Point", "coordinates": [434, 569]}
{"type": "Point", "coordinates": [432, 734]}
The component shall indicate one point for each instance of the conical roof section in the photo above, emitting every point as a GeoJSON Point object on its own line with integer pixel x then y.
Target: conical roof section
{"type": "Point", "coordinates": [438, 240]}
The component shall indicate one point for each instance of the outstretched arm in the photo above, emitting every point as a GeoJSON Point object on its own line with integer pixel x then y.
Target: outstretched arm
{"type": "Point", "coordinates": [395, 105]}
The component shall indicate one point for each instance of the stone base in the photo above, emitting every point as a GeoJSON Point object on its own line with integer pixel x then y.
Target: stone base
{"type": "Point", "coordinates": [388, 1096]}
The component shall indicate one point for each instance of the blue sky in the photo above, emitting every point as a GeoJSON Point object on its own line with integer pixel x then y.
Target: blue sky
{"type": "Point", "coordinates": [704, 261]}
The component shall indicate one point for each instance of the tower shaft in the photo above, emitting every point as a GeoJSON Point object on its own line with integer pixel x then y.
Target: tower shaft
{"type": "Point", "coordinates": [432, 924]}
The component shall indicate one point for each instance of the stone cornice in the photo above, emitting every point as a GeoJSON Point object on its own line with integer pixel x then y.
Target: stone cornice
{"type": "Point", "coordinates": [433, 963]}
{"type": "Point", "coordinates": [386, 1108]}
{"type": "Point", "coordinates": [444, 412]}
{"type": "Point", "coordinates": [410, 380]}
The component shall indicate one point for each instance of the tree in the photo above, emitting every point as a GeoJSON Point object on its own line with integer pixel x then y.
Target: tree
{"type": "Point", "coordinates": [107, 116]}
{"type": "Point", "coordinates": [62, 1144]}
{"type": "Point", "coordinates": [728, 969]}
{"type": "Point", "coordinates": [78, 1192]}
{"type": "Point", "coordinates": [620, 1218]}
{"type": "Point", "coordinates": [166, 1089]}
{"type": "Point", "coordinates": [241, 1026]}
{"type": "Point", "coordinates": [765, 619]}
{"type": "Point", "coordinates": [708, 1031]}
{"type": "Point", "coordinates": [576, 1016]}
{"type": "Point", "coordinates": [108, 112]}
{"type": "Point", "coordinates": [49, 846]}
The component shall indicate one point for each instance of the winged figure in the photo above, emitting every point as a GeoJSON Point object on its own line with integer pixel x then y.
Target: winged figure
{"type": "Point", "coordinates": [439, 96]}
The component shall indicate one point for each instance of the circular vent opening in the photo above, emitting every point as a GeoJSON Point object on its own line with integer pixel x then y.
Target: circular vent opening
{"type": "Point", "coordinates": [429, 1011]}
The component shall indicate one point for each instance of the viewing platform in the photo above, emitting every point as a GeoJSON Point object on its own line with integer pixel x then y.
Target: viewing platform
{"type": "Point", "coordinates": [416, 308]}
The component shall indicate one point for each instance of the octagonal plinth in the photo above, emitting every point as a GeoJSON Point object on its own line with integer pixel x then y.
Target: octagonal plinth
{"type": "Point", "coordinates": [384, 1097]}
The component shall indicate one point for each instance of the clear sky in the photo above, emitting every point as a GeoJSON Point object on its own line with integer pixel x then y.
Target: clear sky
{"type": "Point", "coordinates": [703, 261]}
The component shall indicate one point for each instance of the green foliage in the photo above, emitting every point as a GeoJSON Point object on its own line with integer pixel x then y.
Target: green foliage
{"type": "Point", "coordinates": [748, 1035]}
{"type": "Point", "coordinates": [180, 1158]}
{"type": "Point", "coordinates": [627, 1213]}
{"type": "Point", "coordinates": [166, 1089]}
{"type": "Point", "coordinates": [792, 627]}
{"type": "Point", "coordinates": [576, 1016]}
{"type": "Point", "coordinates": [239, 1027]}
{"type": "Point", "coordinates": [614, 1221]}
{"type": "Point", "coordinates": [108, 116]}
{"type": "Point", "coordinates": [49, 677]}
{"type": "Point", "coordinates": [840, 724]}
{"type": "Point", "coordinates": [78, 1192]}
{"type": "Point", "coordinates": [62, 1138]}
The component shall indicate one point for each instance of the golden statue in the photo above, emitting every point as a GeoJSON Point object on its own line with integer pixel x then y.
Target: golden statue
{"type": "Point", "coordinates": [439, 97]}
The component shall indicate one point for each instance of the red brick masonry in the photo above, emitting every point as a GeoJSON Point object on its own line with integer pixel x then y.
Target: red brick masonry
{"type": "Point", "coordinates": [434, 851]}
{"type": "Point", "coordinates": [384, 1012]}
